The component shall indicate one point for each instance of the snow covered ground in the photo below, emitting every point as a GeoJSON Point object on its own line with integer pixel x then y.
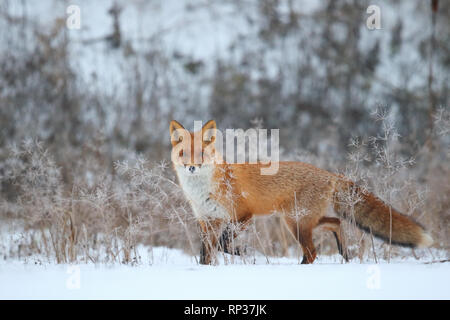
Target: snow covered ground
{"type": "Point", "coordinates": [175, 275]}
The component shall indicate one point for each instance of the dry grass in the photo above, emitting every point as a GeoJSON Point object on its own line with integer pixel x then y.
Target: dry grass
{"type": "Point", "coordinates": [87, 195]}
{"type": "Point", "coordinates": [104, 217]}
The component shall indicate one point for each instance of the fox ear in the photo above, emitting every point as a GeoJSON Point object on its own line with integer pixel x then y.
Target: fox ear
{"type": "Point", "coordinates": [174, 125]}
{"type": "Point", "coordinates": [209, 131]}
{"type": "Point", "coordinates": [175, 135]}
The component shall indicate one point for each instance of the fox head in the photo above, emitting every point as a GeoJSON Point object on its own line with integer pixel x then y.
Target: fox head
{"type": "Point", "coordinates": [194, 151]}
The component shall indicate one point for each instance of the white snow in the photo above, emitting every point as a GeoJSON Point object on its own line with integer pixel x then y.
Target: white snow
{"type": "Point", "coordinates": [175, 275]}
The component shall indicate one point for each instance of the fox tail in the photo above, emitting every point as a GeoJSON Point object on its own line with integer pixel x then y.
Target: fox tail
{"type": "Point", "coordinates": [372, 215]}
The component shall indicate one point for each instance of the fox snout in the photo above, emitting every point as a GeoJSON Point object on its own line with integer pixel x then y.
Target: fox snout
{"type": "Point", "coordinates": [194, 168]}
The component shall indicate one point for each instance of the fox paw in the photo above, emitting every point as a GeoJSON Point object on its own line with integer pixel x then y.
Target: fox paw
{"type": "Point", "coordinates": [237, 251]}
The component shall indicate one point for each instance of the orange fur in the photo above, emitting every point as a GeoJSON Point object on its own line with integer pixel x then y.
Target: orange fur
{"type": "Point", "coordinates": [299, 191]}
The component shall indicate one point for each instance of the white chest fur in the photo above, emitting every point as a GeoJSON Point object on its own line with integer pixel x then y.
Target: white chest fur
{"type": "Point", "coordinates": [198, 188]}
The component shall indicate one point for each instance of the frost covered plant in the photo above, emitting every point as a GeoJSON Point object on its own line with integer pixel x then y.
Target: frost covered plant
{"type": "Point", "coordinates": [106, 219]}
{"type": "Point", "coordinates": [33, 182]}
{"type": "Point", "coordinates": [105, 222]}
{"type": "Point", "coordinates": [377, 164]}
{"type": "Point", "coordinates": [159, 198]}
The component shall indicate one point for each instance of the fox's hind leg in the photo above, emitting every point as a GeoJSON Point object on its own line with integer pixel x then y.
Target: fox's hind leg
{"type": "Point", "coordinates": [334, 225]}
{"type": "Point", "coordinates": [302, 230]}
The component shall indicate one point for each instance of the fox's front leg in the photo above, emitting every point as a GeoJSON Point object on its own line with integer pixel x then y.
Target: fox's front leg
{"type": "Point", "coordinates": [231, 231]}
{"type": "Point", "coordinates": [226, 239]}
{"type": "Point", "coordinates": [210, 232]}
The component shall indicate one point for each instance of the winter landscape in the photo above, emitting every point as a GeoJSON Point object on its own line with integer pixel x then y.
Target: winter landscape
{"type": "Point", "coordinates": [90, 206]}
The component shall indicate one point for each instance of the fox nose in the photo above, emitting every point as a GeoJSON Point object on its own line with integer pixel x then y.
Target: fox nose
{"type": "Point", "coordinates": [192, 169]}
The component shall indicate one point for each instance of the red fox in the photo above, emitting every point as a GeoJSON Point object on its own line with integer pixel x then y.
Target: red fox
{"type": "Point", "coordinates": [222, 193]}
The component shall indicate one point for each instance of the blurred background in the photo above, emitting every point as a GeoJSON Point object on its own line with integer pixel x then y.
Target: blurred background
{"type": "Point", "coordinates": [84, 113]}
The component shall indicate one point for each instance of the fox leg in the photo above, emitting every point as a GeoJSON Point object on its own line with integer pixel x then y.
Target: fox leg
{"type": "Point", "coordinates": [230, 233]}
{"type": "Point", "coordinates": [302, 231]}
{"type": "Point", "coordinates": [226, 239]}
{"type": "Point", "coordinates": [334, 225]}
{"type": "Point", "coordinates": [309, 251]}
{"type": "Point", "coordinates": [210, 231]}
